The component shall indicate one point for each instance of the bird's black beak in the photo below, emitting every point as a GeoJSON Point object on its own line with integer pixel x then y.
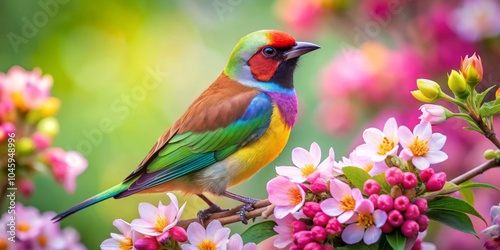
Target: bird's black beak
{"type": "Point", "coordinates": [300, 48]}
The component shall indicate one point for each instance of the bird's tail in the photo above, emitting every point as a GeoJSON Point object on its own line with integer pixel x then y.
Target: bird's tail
{"type": "Point", "coordinates": [93, 200]}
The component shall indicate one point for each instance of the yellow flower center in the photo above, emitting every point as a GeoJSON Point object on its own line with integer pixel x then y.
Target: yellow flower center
{"type": "Point", "coordinates": [294, 195]}
{"type": "Point", "coordinates": [207, 245]}
{"type": "Point", "coordinates": [348, 203]}
{"type": "Point", "coordinates": [365, 220]}
{"type": "Point", "coordinates": [369, 167]}
{"type": "Point", "coordinates": [419, 147]}
{"type": "Point", "coordinates": [307, 170]}
{"type": "Point", "coordinates": [42, 240]}
{"type": "Point", "coordinates": [160, 223]}
{"type": "Point", "coordinates": [385, 146]}
{"type": "Point", "coordinates": [3, 244]}
{"type": "Point", "coordinates": [23, 227]}
{"type": "Point", "coordinates": [126, 244]}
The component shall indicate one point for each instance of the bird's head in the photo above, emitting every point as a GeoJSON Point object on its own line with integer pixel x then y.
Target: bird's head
{"type": "Point", "coordinates": [266, 59]}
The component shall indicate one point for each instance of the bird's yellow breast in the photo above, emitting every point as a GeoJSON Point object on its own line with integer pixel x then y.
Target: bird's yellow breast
{"type": "Point", "coordinates": [257, 155]}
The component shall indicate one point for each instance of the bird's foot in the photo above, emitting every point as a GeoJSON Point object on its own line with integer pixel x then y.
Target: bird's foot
{"type": "Point", "coordinates": [248, 206]}
{"type": "Point", "coordinates": [204, 214]}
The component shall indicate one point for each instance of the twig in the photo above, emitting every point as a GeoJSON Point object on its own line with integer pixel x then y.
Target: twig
{"type": "Point", "coordinates": [490, 134]}
{"type": "Point", "coordinates": [261, 208]}
{"type": "Point", "coordinates": [476, 171]}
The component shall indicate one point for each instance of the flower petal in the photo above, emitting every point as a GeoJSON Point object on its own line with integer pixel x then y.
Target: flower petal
{"type": "Point", "coordinates": [436, 156]}
{"type": "Point", "coordinates": [373, 136]}
{"type": "Point", "coordinates": [277, 188]}
{"type": "Point", "coordinates": [148, 212]}
{"type": "Point", "coordinates": [235, 242]}
{"type": "Point", "coordinates": [339, 189]}
{"type": "Point", "coordinates": [379, 217]}
{"type": "Point", "coordinates": [196, 233]}
{"type": "Point", "coordinates": [346, 216]}
{"type": "Point", "coordinates": [301, 157]}
{"type": "Point", "coordinates": [293, 173]}
{"type": "Point", "coordinates": [423, 130]}
{"type": "Point", "coordinates": [420, 162]}
{"type": "Point", "coordinates": [315, 152]}
{"type": "Point", "coordinates": [364, 207]}
{"type": "Point", "coordinates": [405, 136]}
{"type": "Point", "coordinates": [372, 234]}
{"type": "Point", "coordinates": [331, 207]}
{"type": "Point", "coordinates": [282, 211]}
{"type": "Point", "coordinates": [353, 234]}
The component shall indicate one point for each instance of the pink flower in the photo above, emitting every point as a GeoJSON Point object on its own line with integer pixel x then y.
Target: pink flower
{"type": "Point", "coordinates": [28, 221]}
{"type": "Point", "coordinates": [28, 89]}
{"type": "Point", "coordinates": [434, 114]}
{"type": "Point", "coordinates": [156, 221]}
{"type": "Point", "coordinates": [307, 163]}
{"type": "Point", "coordinates": [286, 195]}
{"type": "Point", "coordinates": [380, 144]}
{"type": "Point", "coordinates": [125, 240]}
{"type": "Point", "coordinates": [367, 225]}
{"type": "Point", "coordinates": [422, 146]}
{"type": "Point", "coordinates": [344, 201]}
{"type": "Point", "coordinates": [361, 161]}
{"type": "Point", "coordinates": [436, 182]}
{"type": "Point", "coordinates": [285, 231]}
{"type": "Point", "coordinates": [236, 243]}
{"type": "Point", "coordinates": [476, 20]}
{"type": "Point", "coordinates": [214, 237]}
{"type": "Point", "coordinates": [66, 166]}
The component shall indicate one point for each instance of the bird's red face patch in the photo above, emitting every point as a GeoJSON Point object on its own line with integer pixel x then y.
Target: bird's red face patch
{"type": "Point", "coordinates": [264, 67]}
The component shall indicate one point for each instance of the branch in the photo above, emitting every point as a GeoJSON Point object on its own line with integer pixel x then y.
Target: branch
{"type": "Point", "coordinates": [476, 171]}
{"type": "Point", "coordinates": [262, 208]}
{"type": "Point", "coordinates": [490, 134]}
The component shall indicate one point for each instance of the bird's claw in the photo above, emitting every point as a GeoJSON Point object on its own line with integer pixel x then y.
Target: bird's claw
{"type": "Point", "coordinates": [247, 207]}
{"type": "Point", "coordinates": [204, 214]}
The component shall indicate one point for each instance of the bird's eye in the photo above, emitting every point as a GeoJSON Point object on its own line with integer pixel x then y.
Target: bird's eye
{"type": "Point", "coordinates": [269, 51]}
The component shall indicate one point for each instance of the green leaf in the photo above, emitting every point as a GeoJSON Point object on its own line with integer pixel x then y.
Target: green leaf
{"type": "Point", "coordinates": [259, 232]}
{"type": "Point", "coordinates": [396, 240]}
{"type": "Point", "coordinates": [488, 109]}
{"type": "Point", "coordinates": [453, 204]}
{"type": "Point", "coordinates": [380, 179]}
{"type": "Point", "coordinates": [477, 185]}
{"type": "Point", "coordinates": [468, 195]}
{"type": "Point", "coordinates": [454, 219]}
{"type": "Point", "coordinates": [480, 96]}
{"type": "Point", "coordinates": [356, 176]}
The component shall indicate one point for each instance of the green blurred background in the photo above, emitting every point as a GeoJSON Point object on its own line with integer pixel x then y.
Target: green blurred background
{"type": "Point", "coordinates": [101, 54]}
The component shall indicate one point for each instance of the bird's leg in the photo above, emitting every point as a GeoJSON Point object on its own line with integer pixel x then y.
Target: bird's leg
{"type": "Point", "coordinates": [212, 208]}
{"type": "Point", "coordinates": [248, 206]}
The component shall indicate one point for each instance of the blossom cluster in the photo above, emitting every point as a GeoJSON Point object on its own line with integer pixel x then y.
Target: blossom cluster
{"type": "Point", "coordinates": [33, 230]}
{"type": "Point", "coordinates": [323, 205]}
{"type": "Point", "coordinates": [157, 229]}
{"type": "Point", "coordinates": [28, 125]}
{"type": "Point", "coordinates": [494, 230]}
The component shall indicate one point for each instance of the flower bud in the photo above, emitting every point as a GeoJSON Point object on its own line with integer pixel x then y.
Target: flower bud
{"type": "Point", "coordinates": [457, 84]}
{"type": "Point", "coordinates": [472, 69]}
{"type": "Point", "coordinates": [401, 203]}
{"type": "Point", "coordinates": [318, 234]}
{"type": "Point", "coordinates": [147, 243]}
{"type": "Point", "coordinates": [409, 180]}
{"type": "Point", "coordinates": [302, 238]}
{"type": "Point", "coordinates": [421, 203]}
{"type": "Point", "coordinates": [374, 198]}
{"type": "Point", "coordinates": [371, 187]}
{"type": "Point", "coordinates": [423, 222]}
{"type": "Point", "coordinates": [313, 246]}
{"type": "Point", "coordinates": [48, 126]}
{"type": "Point", "coordinates": [6, 129]}
{"type": "Point", "coordinates": [426, 174]}
{"type": "Point", "coordinates": [436, 182]}
{"type": "Point", "coordinates": [434, 114]}
{"type": "Point", "coordinates": [26, 187]}
{"type": "Point", "coordinates": [42, 141]}
{"type": "Point", "coordinates": [298, 225]}
{"type": "Point", "coordinates": [50, 107]}
{"type": "Point", "coordinates": [310, 208]}
{"type": "Point", "coordinates": [410, 193]}
{"type": "Point", "coordinates": [410, 229]}
{"type": "Point", "coordinates": [492, 244]}
{"type": "Point", "coordinates": [327, 247]}
{"type": "Point", "coordinates": [394, 176]}
{"type": "Point", "coordinates": [428, 91]}
{"type": "Point", "coordinates": [319, 186]}
{"type": "Point", "coordinates": [179, 234]}
{"type": "Point", "coordinates": [385, 202]}
{"type": "Point", "coordinates": [334, 226]}
{"type": "Point", "coordinates": [395, 218]}
{"type": "Point", "coordinates": [163, 238]}
{"type": "Point", "coordinates": [321, 219]}
{"type": "Point", "coordinates": [25, 146]}
{"type": "Point", "coordinates": [396, 191]}
{"type": "Point", "coordinates": [386, 228]}
{"type": "Point", "coordinates": [412, 212]}
{"type": "Point", "coordinates": [490, 154]}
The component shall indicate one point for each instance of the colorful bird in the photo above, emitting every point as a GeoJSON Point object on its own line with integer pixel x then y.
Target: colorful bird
{"type": "Point", "coordinates": [231, 131]}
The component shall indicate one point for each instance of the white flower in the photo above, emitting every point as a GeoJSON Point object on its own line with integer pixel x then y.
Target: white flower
{"type": "Point", "coordinates": [380, 144]}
